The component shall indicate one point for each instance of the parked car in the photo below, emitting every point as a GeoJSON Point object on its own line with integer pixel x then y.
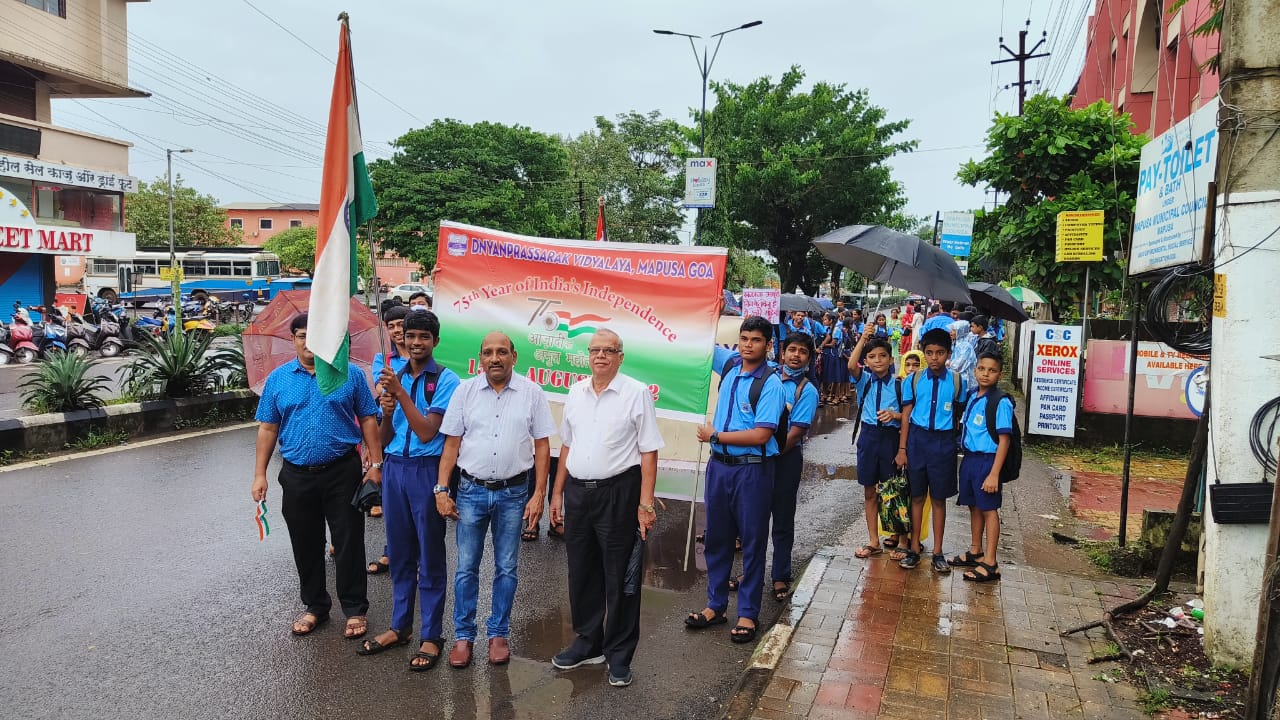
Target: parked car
{"type": "Point", "coordinates": [404, 291]}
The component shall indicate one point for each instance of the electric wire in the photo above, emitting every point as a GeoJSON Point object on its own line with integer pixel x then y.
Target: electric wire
{"type": "Point", "coordinates": [1171, 288]}
{"type": "Point", "coordinates": [1262, 435]}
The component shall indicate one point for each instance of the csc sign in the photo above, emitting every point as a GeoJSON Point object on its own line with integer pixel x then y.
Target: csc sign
{"type": "Point", "coordinates": [1055, 381]}
{"type": "Point", "coordinates": [700, 183]}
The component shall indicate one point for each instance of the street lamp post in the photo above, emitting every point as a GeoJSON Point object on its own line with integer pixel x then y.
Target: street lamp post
{"type": "Point", "coordinates": [704, 68]}
{"type": "Point", "coordinates": [175, 274]}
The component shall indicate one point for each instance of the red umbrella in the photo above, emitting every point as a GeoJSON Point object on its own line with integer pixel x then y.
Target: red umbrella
{"type": "Point", "coordinates": [268, 343]}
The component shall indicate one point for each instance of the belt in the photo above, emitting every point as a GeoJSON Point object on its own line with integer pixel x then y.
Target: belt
{"type": "Point", "coordinates": [922, 429]}
{"type": "Point", "coordinates": [350, 455]}
{"type": "Point", "coordinates": [737, 459]}
{"type": "Point", "coordinates": [517, 479]}
{"type": "Point", "coordinates": [630, 473]}
{"type": "Point", "coordinates": [974, 453]}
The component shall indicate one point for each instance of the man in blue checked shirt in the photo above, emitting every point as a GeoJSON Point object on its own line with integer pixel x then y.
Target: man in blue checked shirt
{"type": "Point", "coordinates": [740, 477]}
{"type": "Point", "coordinates": [933, 400]}
{"type": "Point", "coordinates": [414, 399]}
{"type": "Point", "coordinates": [318, 435]}
{"type": "Point", "coordinates": [880, 423]}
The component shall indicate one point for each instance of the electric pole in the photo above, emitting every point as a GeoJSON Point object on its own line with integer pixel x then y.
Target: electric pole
{"type": "Point", "coordinates": [1021, 57]}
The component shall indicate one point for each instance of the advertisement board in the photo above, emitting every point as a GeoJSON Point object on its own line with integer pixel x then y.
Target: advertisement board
{"type": "Point", "coordinates": [1170, 384]}
{"type": "Point", "coordinates": [1173, 191]}
{"type": "Point", "coordinates": [700, 183]}
{"type": "Point", "coordinates": [1079, 236]}
{"type": "Point", "coordinates": [1054, 381]}
{"type": "Point", "coordinates": [956, 237]}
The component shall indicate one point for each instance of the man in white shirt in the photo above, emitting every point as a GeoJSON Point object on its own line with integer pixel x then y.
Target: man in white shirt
{"type": "Point", "coordinates": [604, 493]}
{"type": "Point", "coordinates": [498, 427]}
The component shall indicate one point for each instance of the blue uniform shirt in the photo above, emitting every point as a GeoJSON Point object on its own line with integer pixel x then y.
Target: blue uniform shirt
{"type": "Point", "coordinates": [876, 394]}
{"type": "Point", "coordinates": [405, 442]}
{"type": "Point", "coordinates": [733, 408]}
{"type": "Point", "coordinates": [976, 437]}
{"type": "Point", "coordinates": [804, 408]}
{"type": "Point", "coordinates": [397, 362]}
{"type": "Point", "coordinates": [937, 322]}
{"type": "Point", "coordinates": [315, 429]}
{"type": "Point", "coordinates": [933, 409]}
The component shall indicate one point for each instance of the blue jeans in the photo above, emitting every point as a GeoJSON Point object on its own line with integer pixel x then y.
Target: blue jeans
{"type": "Point", "coordinates": [478, 510]}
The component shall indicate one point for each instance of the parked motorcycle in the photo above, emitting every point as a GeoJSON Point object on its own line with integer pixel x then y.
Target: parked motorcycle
{"type": "Point", "coordinates": [6, 352]}
{"type": "Point", "coordinates": [86, 337]}
{"type": "Point", "coordinates": [50, 335]}
{"type": "Point", "coordinates": [22, 339]}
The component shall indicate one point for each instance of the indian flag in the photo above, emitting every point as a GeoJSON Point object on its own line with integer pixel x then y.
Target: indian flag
{"type": "Point", "coordinates": [575, 325]}
{"type": "Point", "coordinates": [346, 202]}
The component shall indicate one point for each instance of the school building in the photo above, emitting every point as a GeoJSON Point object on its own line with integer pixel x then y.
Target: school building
{"type": "Point", "coordinates": [61, 190]}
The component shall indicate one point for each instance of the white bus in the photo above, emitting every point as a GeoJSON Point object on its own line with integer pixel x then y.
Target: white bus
{"type": "Point", "coordinates": [215, 270]}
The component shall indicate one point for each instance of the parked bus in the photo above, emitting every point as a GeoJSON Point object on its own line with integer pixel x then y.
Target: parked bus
{"type": "Point", "coordinates": [215, 271]}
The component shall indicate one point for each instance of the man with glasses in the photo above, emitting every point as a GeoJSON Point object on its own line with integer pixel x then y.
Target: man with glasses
{"type": "Point", "coordinates": [604, 495]}
{"type": "Point", "coordinates": [318, 435]}
{"type": "Point", "coordinates": [498, 428]}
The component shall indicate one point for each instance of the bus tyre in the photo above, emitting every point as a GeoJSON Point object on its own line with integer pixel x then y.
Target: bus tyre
{"type": "Point", "coordinates": [109, 294]}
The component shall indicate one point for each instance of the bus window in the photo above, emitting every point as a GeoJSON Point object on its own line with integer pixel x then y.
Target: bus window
{"type": "Point", "coordinates": [268, 268]}
{"type": "Point", "coordinates": [102, 266]}
{"type": "Point", "coordinates": [219, 268]}
{"type": "Point", "coordinates": [242, 268]}
{"type": "Point", "coordinates": [192, 268]}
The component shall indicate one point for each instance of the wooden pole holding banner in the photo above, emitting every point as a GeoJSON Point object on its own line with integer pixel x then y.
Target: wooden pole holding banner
{"type": "Point", "coordinates": [693, 506]}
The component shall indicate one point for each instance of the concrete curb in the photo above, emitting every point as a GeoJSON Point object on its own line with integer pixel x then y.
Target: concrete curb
{"type": "Point", "coordinates": [773, 646]}
{"type": "Point", "coordinates": [53, 431]}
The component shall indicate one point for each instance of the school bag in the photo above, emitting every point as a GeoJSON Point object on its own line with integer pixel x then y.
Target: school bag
{"type": "Point", "coordinates": [753, 395]}
{"type": "Point", "coordinates": [1013, 459]}
{"type": "Point", "coordinates": [897, 390]}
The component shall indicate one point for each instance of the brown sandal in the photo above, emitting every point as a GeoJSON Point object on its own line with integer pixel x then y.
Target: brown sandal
{"type": "Point", "coordinates": [357, 626]}
{"type": "Point", "coordinates": [308, 626]}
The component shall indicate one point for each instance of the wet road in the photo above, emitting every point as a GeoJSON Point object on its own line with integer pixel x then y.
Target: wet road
{"type": "Point", "coordinates": [136, 587]}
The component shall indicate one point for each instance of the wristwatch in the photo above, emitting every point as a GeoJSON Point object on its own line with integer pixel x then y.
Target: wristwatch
{"type": "Point", "coordinates": [715, 436]}
{"type": "Point", "coordinates": [646, 508]}
{"type": "Point", "coordinates": [440, 489]}
{"type": "Point", "coordinates": [375, 466]}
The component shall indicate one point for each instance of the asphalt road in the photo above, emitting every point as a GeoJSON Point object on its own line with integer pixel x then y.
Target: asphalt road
{"type": "Point", "coordinates": [136, 587]}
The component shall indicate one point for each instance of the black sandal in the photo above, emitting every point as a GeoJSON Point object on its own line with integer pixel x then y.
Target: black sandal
{"type": "Point", "coordinates": [781, 593]}
{"type": "Point", "coordinates": [991, 573]}
{"type": "Point", "coordinates": [377, 567]}
{"type": "Point", "coordinates": [429, 658]}
{"type": "Point", "coordinates": [734, 584]}
{"type": "Point", "coordinates": [889, 543]}
{"type": "Point", "coordinates": [529, 535]}
{"type": "Point", "coordinates": [742, 634]}
{"type": "Point", "coordinates": [556, 531]}
{"type": "Point", "coordinates": [698, 620]}
{"type": "Point", "coordinates": [969, 559]}
{"type": "Point", "coordinates": [373, 647]}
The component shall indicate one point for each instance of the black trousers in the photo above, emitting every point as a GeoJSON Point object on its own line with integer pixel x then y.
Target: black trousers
{"type": "Point", "coordinates": [312, 498]}
{"type": "Point", "coordinates": [601, 526]}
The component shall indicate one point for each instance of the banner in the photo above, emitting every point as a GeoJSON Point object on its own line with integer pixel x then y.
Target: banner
{"type": "Point", "coordinates": [1170, 384]}
{"type": "Point", "coordinates": [700, 183]}
{"type": "Point", "coordinates": [1055, 381]}
{"type": "Point", "coordinates": [763, 302]}
{"type": "Point", "coordinates": [551, 296]}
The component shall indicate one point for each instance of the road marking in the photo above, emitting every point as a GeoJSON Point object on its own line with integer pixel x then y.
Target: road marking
{"type": "Point", "coordinates": [45, 462]}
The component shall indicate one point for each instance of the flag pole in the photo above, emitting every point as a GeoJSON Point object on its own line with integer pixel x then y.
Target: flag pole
{"type": "Point", "coordinates": [345, 19]}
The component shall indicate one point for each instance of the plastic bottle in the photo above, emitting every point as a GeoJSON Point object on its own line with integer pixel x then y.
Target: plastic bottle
{"type": "Point", "coordinates": [1198, 614]}
{"type": "Point", "coordinates": [1177, 613]}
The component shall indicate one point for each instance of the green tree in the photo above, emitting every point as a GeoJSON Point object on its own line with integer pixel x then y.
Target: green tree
{"type": "Point", "coordinates": [745, 269]}
{"type": "Point", "coordinates": [297, 250]}
{"type": "Point", "coordinates": [1048, 160]}
{"type": "Point", "coordinates": [505, 177]}
{"type": "Point", "coordinates": [197, 219]}
{"type": "Point", "coordinates": [635, 163]}
{"type": "Point", "coordinates": [794, 165]}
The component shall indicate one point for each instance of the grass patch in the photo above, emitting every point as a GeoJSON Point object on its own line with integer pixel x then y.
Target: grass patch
{"type": "Point", "coordinates": [1133, 560]}
{"type": "Point", "coordinates": [229, 330]}
{"type": "Point", "coordinates": [213, 417]}
{"type": "Point", "coordinates": [1153, 462]}
{"type": "Point", "coordinates": [94, 440]}
{"type": "Point", "coordinates": [10, 457]}
{"type": "Point", "coordinates": [1153, 701]}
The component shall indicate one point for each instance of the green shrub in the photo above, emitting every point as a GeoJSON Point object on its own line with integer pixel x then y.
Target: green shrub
{"type": "Point", "coordinates": [228, 330]}
{"type": "Point", "coordinates": [62, 383]}
{"type": "Point", "coordinates": [175, 365]}
{"type": "Point", "coordinates": [237, 373]}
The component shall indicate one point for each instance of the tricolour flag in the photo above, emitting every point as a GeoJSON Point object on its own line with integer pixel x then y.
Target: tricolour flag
{"type": "Point", "coordinates": [346, 202]}
{"type": "Point", "coordinates": [602, 233]}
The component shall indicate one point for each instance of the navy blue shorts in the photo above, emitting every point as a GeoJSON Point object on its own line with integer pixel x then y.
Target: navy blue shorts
{"type": "Point", "coordinates": [877, 448]}
{"type": "Point", "coordinates": [974, 469]}
{"type": "Point", "coordinates": [931, 462]}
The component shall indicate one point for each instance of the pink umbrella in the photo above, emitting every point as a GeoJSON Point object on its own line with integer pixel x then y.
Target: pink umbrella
{"type": "Point", "coordinates": [268, 343]}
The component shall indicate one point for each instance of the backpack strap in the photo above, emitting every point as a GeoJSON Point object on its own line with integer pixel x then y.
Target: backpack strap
{"type": "Point", "coordinates": [955, 384]}
{"type": "Point", "coordinates": [993, 402]}
{"type": "Point", "coordinates": [431, 379]}
{"type": "Point", "coordinates": [804, 380]}
{"type": "Point", "coordinates": [728, 365]}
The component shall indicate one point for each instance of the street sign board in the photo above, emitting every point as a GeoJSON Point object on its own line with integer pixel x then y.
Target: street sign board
{"type": "Point", "coordinates": [1219, 295]}
{"type": "Point", "coordinates": [964, 266]}
{"type": "Point", "coordinates": [761, 301]}
{"type": "Point", "coordinates": [1174, 172]}
{"type": "Point", "coordinates": [957, 233]}
{"type": "Point", "coordinates": [1055, 381]}
{"type": "Point", "coordinates": [1079, 236]}
{"type": "Point", "coordinates": [167, 273]}
{"type": "Point", "coordinates": [700, 183]}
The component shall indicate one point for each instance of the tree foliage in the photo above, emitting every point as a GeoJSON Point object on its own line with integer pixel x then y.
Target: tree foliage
{"type": "Point", "coordinates": [197, 219]}
{"type": "Point", "coordinates": [796, 164]}
{"type": "Point", "coordinates": [1049, 160]}
{"type": "Point", "coordinates": [297, 250]}
{"type": "Point", "coordinates": [746, 270]}
{"type": "Point", "coordinates": [506, 177]}
{"type": "Point", "coordinates": [634, 162]}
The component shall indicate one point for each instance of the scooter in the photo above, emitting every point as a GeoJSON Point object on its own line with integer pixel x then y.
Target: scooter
{"type": "Point", "coordinates": [6, 352]}
{"type": "Point", "coordinates": [109, 342]}
{"type": "Point", "coordinates": [21, 336]}
{"type": "Point", "coordinates": [52, 335]}
{"type": "Point", "coordinates": [86, 337]}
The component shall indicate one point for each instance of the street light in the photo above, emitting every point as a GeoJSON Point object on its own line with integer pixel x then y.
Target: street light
{"type": "Point", "coordinates": [704, 68]}
{"type": "Point", "coordinates": [176, 281]}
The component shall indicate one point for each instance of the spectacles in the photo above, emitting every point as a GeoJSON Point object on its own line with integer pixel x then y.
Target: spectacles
{"type": "Point", "coordinates": [300, 336]}
{"type": "Point", "coordinates": [603, 351]}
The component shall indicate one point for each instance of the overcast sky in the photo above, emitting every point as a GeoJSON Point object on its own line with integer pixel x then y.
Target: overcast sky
{"type": "Point", "coordinates": [251, 99]}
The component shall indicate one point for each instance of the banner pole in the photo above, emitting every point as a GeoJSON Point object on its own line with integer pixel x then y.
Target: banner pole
{"type": "Point", "coordinates": [377, 299]}
{"type": "Point", "coordinates": [693, 506]}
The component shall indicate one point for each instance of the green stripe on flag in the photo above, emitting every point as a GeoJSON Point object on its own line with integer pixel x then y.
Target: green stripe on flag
{"type": "Point", "coordinates": [330, 377]}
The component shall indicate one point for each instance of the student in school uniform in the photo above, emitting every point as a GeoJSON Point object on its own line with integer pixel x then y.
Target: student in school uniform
{"type": "Point", "coordinates": [740, 478]}
{"type": "Point", "coordinates": [984, 456]}
{"type": "Point", "coordinates": [880, 418]}
{"type": "Point", "coordinates": [393, 317]}
{"type": "Point", "coordinates": [931, 400]}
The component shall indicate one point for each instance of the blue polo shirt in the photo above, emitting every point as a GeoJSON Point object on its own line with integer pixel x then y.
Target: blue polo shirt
{"type": "Point", "coordinates": [937, 322]}
{"type": "Point", "coordinates": [976, 438]}
{"type": "Point", "coordinates": [315, 429]}
{"type": "Point", "coordinates": [933, 409]}
{"type": "Point", "coordinates": [876, 394]}
{"type": "Point", "coordinates": [733, 408]}
{"type": "Point", "coordinates": [398, 361]}
{"type": "Point", "coordinates": [806, 406]}
{"type": "Point", "coordinates": [405, 442]}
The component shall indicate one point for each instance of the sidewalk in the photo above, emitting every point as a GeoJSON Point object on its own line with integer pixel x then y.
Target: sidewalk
{"type": "Point", "coordinates": [875, 641]}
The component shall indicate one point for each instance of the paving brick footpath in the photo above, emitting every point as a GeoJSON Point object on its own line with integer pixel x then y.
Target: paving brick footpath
{"type": "Point", "coordinates": [867, 639]}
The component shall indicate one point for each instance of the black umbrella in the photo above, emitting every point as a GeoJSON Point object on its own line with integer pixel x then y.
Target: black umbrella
{"type": "Point", "coordinates": [790, 302]}
{"type": "Point", "coordinates": [897, 259]}
{"type": "Point", "coordinates": [997, 301]}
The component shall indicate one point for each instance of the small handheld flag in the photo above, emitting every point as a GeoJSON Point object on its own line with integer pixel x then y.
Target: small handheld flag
{"type": "Point", "coordinates": [260, 517]}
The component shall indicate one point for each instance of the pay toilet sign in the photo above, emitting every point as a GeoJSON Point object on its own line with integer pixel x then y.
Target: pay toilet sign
{"type": "Point", "coordinates": [1055, 381]}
